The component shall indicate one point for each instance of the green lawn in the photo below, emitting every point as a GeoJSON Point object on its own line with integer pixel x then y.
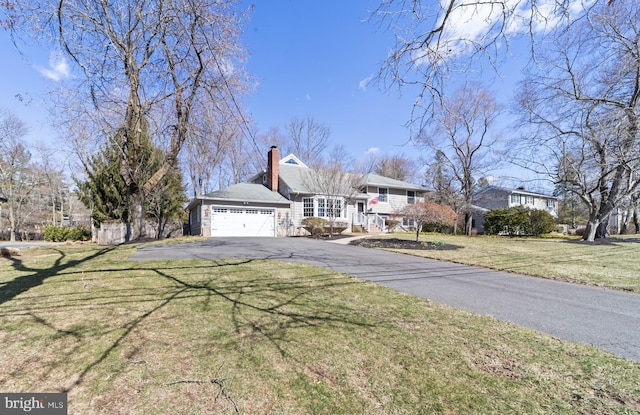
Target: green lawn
{"type": "Point", "coordinates": [270, 337]}
{"type": "Point", "coordinates": [614, 263]}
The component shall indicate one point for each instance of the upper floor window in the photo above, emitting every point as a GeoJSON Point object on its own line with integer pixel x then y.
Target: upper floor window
{"type": "Point", "coordinates": [551, 203]}
{"type": "Point", "coordinates": [383, 194]}
{"type": "Point", "coordinates": [411, 197]}
{"type": "Point", "coordinates": [516, 199]}
{"type": "Point", "coordinates": [529, 200]}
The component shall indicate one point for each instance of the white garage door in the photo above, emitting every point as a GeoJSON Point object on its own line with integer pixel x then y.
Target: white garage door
{"type": "Point", "coordinates": [242, 222]}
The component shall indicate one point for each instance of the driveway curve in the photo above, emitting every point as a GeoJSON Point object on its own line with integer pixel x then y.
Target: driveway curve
{"type": "Point", "coordinates": [603, 318]}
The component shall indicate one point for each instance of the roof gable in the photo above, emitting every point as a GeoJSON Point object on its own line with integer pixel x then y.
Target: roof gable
{"type": "Point", "coordinates": [293, 160]}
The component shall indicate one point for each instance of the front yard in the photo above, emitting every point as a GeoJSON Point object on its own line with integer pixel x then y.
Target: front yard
{"type": "Point", "coordinates": [612, 263]}
{"type": "Point", "coordinates": [271, 337]}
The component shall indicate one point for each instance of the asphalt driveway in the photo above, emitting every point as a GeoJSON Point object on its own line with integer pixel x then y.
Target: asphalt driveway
{"type": "Point", "coordinates": [603, 318]}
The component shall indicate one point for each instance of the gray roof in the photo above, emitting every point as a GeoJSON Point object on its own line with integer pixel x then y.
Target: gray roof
{"type": "Point", "coordinates": [244, 192]}
{"type": "Point", "coordinates": [296, 178]}
{"type": "Point", "coordinates": [381, 181]}
{"type": "Point", "coordinates": [498, 189]}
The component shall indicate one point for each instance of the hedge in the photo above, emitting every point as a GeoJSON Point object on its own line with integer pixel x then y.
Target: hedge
{"type": "Point", "coordinates": [518, 221]}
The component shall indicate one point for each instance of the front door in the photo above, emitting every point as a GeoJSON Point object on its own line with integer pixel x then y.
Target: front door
{"type": "Point", "coordinates": [360, 207]}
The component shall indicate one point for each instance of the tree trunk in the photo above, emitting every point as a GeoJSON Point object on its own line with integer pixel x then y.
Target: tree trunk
{"type": "Point", "coordinates": [602, 231]}
{"type": "Point", "coordinates": [596, 229]}
{"type": "Point", "coordinates": [468, 223]}
{"type": "Point", "coordinates": [135, 227]}
{"type": "Point", "coordinates": [590, 230]}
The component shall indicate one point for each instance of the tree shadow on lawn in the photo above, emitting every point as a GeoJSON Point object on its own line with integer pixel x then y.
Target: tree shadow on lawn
{"type": "Point", "coordinates": [605, 241]}
{"type": "Point", "coordinates": [261, 307]}
{"type": "Point", "coordinates": [36, 277]}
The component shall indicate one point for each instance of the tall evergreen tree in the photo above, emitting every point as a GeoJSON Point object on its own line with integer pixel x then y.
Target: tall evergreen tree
{"type": "Point", "coordinates": [105, 190]}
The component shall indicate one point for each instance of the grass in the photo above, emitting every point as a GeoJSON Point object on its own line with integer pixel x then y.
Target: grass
{"type": "Point", "coordinates": [614, 263]}
{"type": "Point", "coordinates": [270, 337]}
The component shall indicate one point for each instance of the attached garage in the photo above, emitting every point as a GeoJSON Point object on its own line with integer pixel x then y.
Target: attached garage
{"type": "Point", "coordinates": [236, 221]}
{"type": "Point", "coordinates": [245, 209]}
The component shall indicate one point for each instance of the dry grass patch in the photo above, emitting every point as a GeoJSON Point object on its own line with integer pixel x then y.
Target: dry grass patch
{"type": "Point", "coordinates": [270, 337]}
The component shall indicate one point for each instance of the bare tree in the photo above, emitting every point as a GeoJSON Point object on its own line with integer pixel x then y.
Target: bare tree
{"type": "Point", "coordinates": [13, 166]}
{"type": "Point", "coordinates": [207, 147]}
{"type": "Point", "coordinates": [18, 181]}
{"type": "Point", "coordinates": [463, 138]}
{"type": "Point", "coordinates": [427, 213]}
{"type": "Point", "coordinates": [438, 40]}
{"type": "Point", "coordinates": [582, 101]}
{"type": "Point", "coordinates": [440, 178]}
{"type": "Point", "coordinates": [7, 14]}
{"type": "Point", "coordinates": [396, 167]}
{"type": "Point", "coordinates": [307, 139]}
{"type": "Point", "coordinates": [144, 64]}
{"type": "Point", "coordinates": [334, 184]}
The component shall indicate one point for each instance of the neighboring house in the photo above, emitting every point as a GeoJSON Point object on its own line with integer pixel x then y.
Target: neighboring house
{"type": "Point", "coordinates": [494, 197]}
{"type": "Point", "coordinates": [287, 192]}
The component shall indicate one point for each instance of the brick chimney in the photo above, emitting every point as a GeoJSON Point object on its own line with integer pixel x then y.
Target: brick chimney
{"type": "Point", "coordinates": [273, 158]}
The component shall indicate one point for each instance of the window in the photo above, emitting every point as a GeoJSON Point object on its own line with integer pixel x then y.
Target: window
{"type": "Point", "coordinates": [411, 197]}
{"type": "Point", "coordinates": [408, 222]}
{"type": "Point", "coordinates": [219, 210]}
{"type": "Point", "coordinates": [252, 211]}
{"type": "Point", "coordinates": [551, 203]}
{"type": "Point", "coordinates": [307, 207]}
{"type": "Point", "coordinates": [335, 208]}
{"type": "Point", "coordinates": [235, 210]}
{"type": "Point", "coordinates": [529, 200]}
{"type": "Point", "coordinates": [383, 194]}
{"type": "Point", "coordinates": [321, 208]}
{"type": "Point", "coordinates": [516, 199]}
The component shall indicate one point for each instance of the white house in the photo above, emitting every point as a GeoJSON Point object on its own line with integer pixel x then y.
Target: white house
{"type": "Point", "coordinates": [279, 198]}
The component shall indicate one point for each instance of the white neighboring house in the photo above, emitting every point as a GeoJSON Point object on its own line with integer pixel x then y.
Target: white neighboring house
{"type": "Point", "coordinates": [284, 193]}
{"type": "Point", "coordinates": [494, 197]}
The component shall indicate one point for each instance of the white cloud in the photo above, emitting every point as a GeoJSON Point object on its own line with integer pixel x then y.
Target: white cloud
{"type": "Point", "coordinates": [58, 67]}
{"type": "Point", "coordinates": [362, 85]}
{"type": "Point", "coordinates": [307, 97]}
{"type": "Point", "coordinates": [372, 150]}
{"type": "Point", "coordinates": [475, 23]}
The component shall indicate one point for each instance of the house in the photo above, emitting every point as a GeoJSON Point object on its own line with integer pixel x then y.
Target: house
{"type": "Point", "coordinates": [494, 197]}
{"type": "Point", "coordinates": [275, 201]}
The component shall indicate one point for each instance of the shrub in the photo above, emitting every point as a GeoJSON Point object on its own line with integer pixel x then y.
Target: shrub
{"type": "Point", "coordinates": [539, 222]}
{"type": "Point", "coordinates": [509, 221]}
{"type": "Point", "coordinates": [54, 233]}
{"type": "Point", "coordinates": [392, 223]}
{"type": "Point", "coordinates": [518, 221]}
{"type": "Point", "coordinates": [313, 225]}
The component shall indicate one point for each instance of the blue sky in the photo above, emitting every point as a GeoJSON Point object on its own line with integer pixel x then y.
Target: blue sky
{"type": "Point", "coordinates": [314, 58]}
{"type": "Point", "coordinates": [310, 58]}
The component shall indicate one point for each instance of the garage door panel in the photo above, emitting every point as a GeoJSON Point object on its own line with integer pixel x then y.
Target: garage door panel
{"type": "Point", "coordinates": [242, 222]}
